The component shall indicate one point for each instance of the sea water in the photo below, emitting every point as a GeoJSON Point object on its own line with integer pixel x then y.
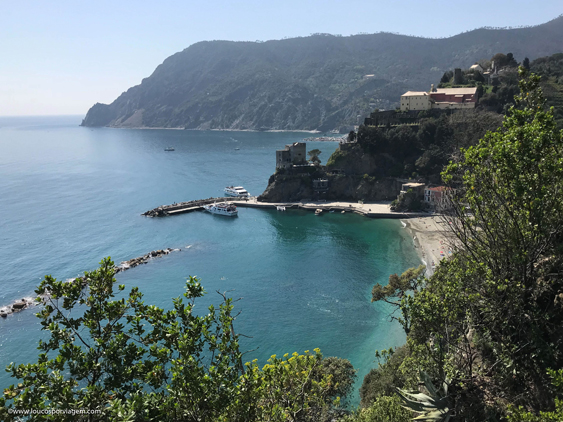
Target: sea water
{"type": "Point", "coordinates": [70, 196]}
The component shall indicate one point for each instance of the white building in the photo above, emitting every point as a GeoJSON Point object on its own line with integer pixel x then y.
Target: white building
{"type": "Point", "coordinates": [415, 100]}
{"type": "Point", "coordinates": [443, 98]}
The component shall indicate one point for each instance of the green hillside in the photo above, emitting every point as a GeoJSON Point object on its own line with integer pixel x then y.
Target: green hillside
{"type": "Point", "coordinates": [551, 71]}
{"type": "Point", "coordinates": [318, 82]}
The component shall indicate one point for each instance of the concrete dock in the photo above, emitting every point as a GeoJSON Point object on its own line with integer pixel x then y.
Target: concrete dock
{"type": "Point", "coordinates": [368, 209]}
{"type": "Point", "coordinates": [183, 207]}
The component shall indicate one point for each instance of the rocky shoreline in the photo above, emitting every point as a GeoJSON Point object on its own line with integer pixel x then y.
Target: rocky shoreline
{"type": "Point", "coordinates": [29, 302]}
{"type": "Point", "coordinates": [132, 263]}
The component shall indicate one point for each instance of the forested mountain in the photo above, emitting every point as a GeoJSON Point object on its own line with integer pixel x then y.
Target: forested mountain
{"type": "Point", "coordinates": [318, 82]}
{"type": "Point", "coordinates": [551, 71]}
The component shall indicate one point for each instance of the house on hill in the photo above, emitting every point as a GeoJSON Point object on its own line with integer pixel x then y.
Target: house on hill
{"type": "Point", "coordinates": [441, 98]}
{"type": "Point", "coordinates": [415, 100]}
{"type": "Point", "coordinates": [293, 154]}
{"type": "Point", "coordinates": [438, 197]}
{"type": "Point", "coordinates": [491, 75]}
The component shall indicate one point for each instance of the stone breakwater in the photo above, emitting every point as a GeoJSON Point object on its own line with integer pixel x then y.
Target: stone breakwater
{"type": "Point", "coordinates": [326, 139]}
{"type": "Point", "coordinates": [28, 302]}
{"type": "Point", "coordinates": [132, 263]}
{"type": "Point", "coordinates": [178, 208]}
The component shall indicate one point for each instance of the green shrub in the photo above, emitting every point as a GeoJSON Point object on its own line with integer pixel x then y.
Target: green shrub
{"type": "Point", "coordinates": [385, 409]}
{"type": "Point", "coordinates": [384, 380]}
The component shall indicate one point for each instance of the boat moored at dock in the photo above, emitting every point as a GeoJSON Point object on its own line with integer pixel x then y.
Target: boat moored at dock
{"type": "Point", "coordinates": [224, 208]}
{"type": "Point", "coordinates": [236, 191]}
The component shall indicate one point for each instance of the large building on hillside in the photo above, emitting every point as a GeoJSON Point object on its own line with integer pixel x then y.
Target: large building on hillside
{"type": "Point", "coordinates": [442, 98]}
{"type": "Point", "coordinates": [292, 154]}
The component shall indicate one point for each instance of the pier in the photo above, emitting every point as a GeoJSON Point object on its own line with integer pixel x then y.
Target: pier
{"type": "Point", "coordinates": [371, 210]}
{"type": "Point", "coordinates": [182, 207]}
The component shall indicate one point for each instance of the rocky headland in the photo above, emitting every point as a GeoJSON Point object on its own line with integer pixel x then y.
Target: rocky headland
{"type": "Point", "coordinates": [353, 174]}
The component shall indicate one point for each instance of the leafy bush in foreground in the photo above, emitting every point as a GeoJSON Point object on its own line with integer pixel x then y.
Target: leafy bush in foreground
{"type": "Point", "coordinates": [135, 362]}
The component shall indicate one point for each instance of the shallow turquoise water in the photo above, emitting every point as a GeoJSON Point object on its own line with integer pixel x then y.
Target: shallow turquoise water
{"type": "Point", "coordinates": [70, 196]}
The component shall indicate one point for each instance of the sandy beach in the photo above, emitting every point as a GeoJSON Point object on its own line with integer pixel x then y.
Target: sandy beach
{"type": "Point", "coordinates": [431, 238]}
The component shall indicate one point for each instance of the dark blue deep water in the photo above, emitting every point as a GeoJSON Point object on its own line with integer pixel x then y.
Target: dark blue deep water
{"type": "Point", "coordinates": [70, 196]}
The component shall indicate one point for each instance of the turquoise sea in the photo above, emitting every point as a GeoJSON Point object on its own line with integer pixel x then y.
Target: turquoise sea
{"type": "Point", "coordinates": [70, 196]}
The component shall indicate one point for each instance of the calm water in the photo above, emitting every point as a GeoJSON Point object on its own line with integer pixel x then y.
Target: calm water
{"type": "Point", "coordinates": [70, 196]}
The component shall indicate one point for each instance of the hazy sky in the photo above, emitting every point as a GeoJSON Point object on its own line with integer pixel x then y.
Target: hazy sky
{"type": "Point", "coordinates": [61, 57]}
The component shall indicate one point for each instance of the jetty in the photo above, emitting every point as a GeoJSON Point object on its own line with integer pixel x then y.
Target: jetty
{"type": "Point", "coordinates": [182, 207]}
{"type": "Point", "coordinates": [381, 209]}
{"type": "Point", "coordinates": [28, 302]}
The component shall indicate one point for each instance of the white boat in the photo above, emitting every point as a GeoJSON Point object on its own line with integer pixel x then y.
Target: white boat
{"type": "Point", "coordinates": [279, 208]}
{"type": "Point", "coordinates": [169, 149]}
{"type": "Point", "coordinates": [222, 208]}
{"type": "Point", "coordinates": [237, 191]}
{"type": "Point", "coordinates": [318, 211]}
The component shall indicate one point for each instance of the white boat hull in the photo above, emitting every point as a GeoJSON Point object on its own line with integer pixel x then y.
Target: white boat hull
{"type": "Point", "coordinates": [236, 191]}
{"type": "Point", "coordinates": [225, 208]}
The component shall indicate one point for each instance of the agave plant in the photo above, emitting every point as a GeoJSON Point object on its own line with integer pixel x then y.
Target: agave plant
{"type": "Point", "coordinates": [432, 406]}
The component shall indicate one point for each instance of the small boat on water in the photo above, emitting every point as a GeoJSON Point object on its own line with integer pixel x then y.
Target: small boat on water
{"type": "Point", "coordinates": [222, 208]}
{"type": "Point", "coordinates": [169, 149]}
{"type": "Point", "coordinates": [318, 211]}
{"type": "Point", "coordinates": [236, 191]}
{"type": "Point", "coordinates": [280, 208]}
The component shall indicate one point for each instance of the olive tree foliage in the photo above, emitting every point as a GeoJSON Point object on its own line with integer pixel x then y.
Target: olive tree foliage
{"type": "Point", "coordinates": [397, 293]}
{"type": "Point", "coordinates": [513, 184]}
{"type": "Point", "coordinates": [110, 353]}
{"type": "Point", "coordinates": [490, 317]}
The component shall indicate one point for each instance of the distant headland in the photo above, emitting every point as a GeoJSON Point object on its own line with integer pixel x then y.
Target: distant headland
{"type": "Point", "coordinates": [321, 82]}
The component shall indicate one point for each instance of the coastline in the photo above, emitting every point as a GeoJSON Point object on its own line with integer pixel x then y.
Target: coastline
{"type": "Point", "coordinates": [203, 130]}
{"type": "Point", "coordinates": [431, 239]}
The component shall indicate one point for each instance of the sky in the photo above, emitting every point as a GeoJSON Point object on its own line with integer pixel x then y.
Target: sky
{"type": "Point", "coordinates": [61, 57]}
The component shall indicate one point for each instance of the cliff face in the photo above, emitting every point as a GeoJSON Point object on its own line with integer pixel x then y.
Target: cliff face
{"type": "Point", "coordinates": [319, 82]}
{"type": "Point", "coordinates": [353, 174]}
{"type": "Point", "coordinates": [296, 187]}
{"type": "Point", "coordinates": [287, 188]}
